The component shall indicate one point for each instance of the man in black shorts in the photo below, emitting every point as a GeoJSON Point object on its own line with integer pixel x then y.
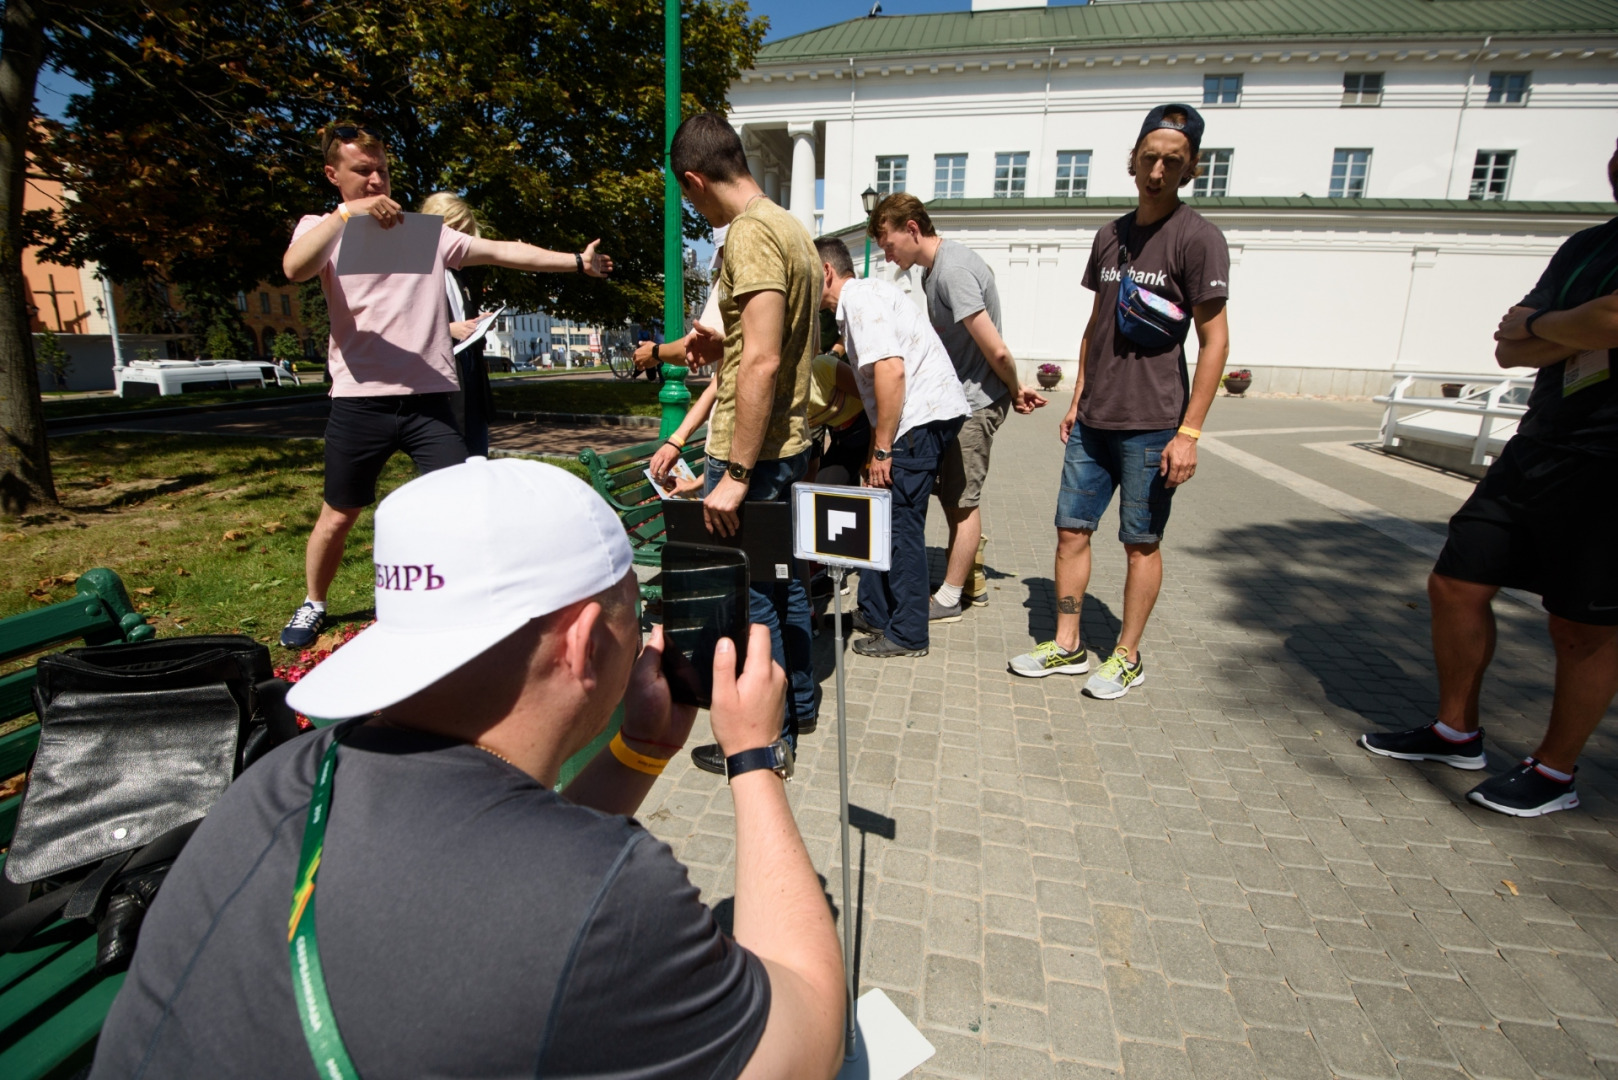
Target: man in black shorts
{"type": "Point", "coordinates": [392, 371]}
{"type": "Point", "coordinates": [1545, 519]}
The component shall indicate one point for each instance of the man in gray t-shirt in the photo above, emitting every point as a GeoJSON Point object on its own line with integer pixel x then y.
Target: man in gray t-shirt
{"type": "Point", "coordinates": [965, 310]}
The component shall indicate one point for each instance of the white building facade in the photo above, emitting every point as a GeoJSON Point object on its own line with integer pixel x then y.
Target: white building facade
{"type": "Point", "coordinates": [1390, 174]}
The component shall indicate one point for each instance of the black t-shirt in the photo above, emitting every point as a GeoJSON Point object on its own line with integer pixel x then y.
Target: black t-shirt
{"type": "Point", "coordinates": [1184, 259]}
{"type": "Point", "coordinates": [471, 923]}
{"type": "Point", "coordinates": [1583, 268]}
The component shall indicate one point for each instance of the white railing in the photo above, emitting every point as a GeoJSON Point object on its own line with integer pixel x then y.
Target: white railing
{"type": "Point", "coordinates": [1484, 398]}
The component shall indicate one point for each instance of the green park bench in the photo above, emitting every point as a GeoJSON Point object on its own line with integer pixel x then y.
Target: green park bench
{"type": "Point", "coordinates": [619, 476]}
{"type": "Point", "coordinates": [52, 1003]}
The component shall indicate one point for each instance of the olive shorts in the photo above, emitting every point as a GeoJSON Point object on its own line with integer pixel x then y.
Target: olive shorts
{"type": "Point", "coordinates": [966, 461]}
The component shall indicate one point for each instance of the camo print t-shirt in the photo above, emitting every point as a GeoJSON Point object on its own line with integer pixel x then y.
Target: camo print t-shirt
{"type": "Point", "coordinates": [1183, 259]}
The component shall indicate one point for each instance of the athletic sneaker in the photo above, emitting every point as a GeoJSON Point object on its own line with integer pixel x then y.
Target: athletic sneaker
{"type": "Point", "coordinates": [1116, 676]}
{"type": "Point", "coordinates": [303, 628]}
{"type": "Point", "coordinates": [1525, 792]}
{"type": "Point", "coordinates": [1049, 658]}
{"type": "Point", "coordinates": [884, 647]}
{"type": "Point", "coordinates": [937, 612]}
{"type": "Point", "coordinates": [977, 599]}
{"type": "Point", "coordinates": [1426, 744]}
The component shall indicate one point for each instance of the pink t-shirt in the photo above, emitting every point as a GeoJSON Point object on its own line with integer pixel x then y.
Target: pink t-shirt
{"type": "Point", "coordinates": [389, 332]}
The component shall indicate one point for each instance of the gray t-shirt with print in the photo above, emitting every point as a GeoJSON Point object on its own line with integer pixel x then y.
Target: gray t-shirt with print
{"type": "Point", "coordinates": [960, 284]}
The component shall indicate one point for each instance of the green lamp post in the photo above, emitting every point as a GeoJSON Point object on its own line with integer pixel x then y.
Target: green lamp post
{"type": "Point", "coordinates": [868, 199]}
{"type": "Point", "coordinates": [675, 397]}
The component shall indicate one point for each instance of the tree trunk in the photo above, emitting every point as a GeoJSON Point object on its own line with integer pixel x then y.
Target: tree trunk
{"type": "Point", "coordinates": [25, 464]}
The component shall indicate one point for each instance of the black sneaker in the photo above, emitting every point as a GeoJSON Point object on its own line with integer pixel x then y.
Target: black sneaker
{"type": "Point", "coordinates": [304, 627]}
{"type": "Point", "coordinates": [1426, 744]}
{"type": "Point", "coordinates": [884, 647]}
{"type": "Point", "coordinates": [1525, 792]}
{"type": "Point", "coordinates": [863, 625]}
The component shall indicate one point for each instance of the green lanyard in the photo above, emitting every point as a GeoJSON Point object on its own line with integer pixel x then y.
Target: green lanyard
{"type": "Point", "coordinates": [308, 978]}
{"type": "Point", "coordinates": [1601, 289]}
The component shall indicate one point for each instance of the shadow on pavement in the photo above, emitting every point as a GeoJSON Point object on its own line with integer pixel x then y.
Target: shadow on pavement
{"type": "Point", "coordinates": [1098, 626]}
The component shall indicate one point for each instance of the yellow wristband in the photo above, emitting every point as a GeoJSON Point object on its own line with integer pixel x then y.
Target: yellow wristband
{"type": "Point", "coordinates": [342, 211]}
{"type": "Point", "coordinates": [1195, 433]}
{"type": "Point", "coordinates": [651, 766]}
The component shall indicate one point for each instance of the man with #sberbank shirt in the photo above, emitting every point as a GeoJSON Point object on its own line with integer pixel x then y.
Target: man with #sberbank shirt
{"type": "Point", "coordinates": [1135, 419]}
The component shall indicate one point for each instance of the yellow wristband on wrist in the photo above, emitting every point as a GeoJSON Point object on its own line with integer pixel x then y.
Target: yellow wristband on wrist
{"type": "Point", "coordinates": [1195, 433]}
{"type": "Point", "coordinates": [342, 212]}
{"type": "Point", "coordinates": [651, 766]}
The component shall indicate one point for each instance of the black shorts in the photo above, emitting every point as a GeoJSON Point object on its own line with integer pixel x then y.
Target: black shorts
{"type": "Point", "coordinates": [1544, 520]}
{"type": "Point", "coordinates": [363, 432]}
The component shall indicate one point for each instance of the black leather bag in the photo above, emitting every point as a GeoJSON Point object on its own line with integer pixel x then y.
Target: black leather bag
{"type": "Point", "coordinates": [137, 742]}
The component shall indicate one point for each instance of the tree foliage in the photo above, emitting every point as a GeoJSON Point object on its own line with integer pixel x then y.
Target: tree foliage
{"type": "Point", "coordinates": [285, 346]}
{"type": "Point", "coordinates": [53, 357]}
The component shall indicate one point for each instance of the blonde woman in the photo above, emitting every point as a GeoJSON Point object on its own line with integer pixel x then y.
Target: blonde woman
{"type": "Point", "coordinates": [476, 399]}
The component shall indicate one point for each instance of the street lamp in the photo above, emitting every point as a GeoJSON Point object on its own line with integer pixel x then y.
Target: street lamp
{"type": "Point", "coordinates": [868, 199]}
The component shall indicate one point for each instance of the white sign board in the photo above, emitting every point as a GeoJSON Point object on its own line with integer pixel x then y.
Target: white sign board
{"type": "Point", "coordinates": [843, 526]}
{"type": "Point", "coordinates": [411, 247]}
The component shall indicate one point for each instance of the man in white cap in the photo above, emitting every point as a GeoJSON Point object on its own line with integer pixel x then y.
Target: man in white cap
{"type": "Point", "coordinates": [472, 920]}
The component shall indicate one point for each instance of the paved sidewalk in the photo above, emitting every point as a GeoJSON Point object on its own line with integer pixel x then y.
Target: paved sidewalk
{"type": "Point", "coordinates": [1207, 878]}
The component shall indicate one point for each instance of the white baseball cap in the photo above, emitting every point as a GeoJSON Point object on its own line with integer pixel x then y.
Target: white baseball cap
{"type": "Point", "coordinates": [465, 556]}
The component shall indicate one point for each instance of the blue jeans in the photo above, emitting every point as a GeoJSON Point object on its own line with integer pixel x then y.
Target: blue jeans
{"type": "Point", "coordinates": [1100, 461]}
{"type": "Point", "coordinates": [783, 606]}
{"type": "Point", "coordinates": [896, 601]}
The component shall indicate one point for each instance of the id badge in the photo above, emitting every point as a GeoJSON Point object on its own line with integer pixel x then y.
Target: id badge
{"type": "Point", "coordinates": [1584, 371]}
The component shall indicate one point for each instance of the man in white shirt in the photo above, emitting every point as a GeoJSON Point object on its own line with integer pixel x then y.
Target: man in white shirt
{"type": "Point", "coordinates": [916, 407]}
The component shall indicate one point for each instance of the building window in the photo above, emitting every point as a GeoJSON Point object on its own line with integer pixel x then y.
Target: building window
{"type": "Point", "coordinates": [1363, 89]}
{"type": "Point", "coordinates": [1508, 88]}
{"type": "Point", "coordinates": [1215, 178]}
{"type": "Point", "coordinates": [286, 304]}
{"type": "Point", "coordinates": [1348, 171]}
{"type": "Point", "coordinates": [1010, 175]}
{"type": "Point", "coordinates": [1221, 89]}
{"type": "Point", "coordinates": [1072, 173]}
{"type": "Point", "coordinates": [949, 176]}
{"type": "Point", "coordinates": [264, 302]}
{"type": "Point", "coordinates": [1491, 174]}
{"type": "Point", "coordinates": [890, 174]}
{"type": "Point", "coordinates": [241, 301]}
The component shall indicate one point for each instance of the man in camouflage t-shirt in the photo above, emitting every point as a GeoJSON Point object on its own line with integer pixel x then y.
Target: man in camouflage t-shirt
{"type": "Point", "coordinates": [758, 444]}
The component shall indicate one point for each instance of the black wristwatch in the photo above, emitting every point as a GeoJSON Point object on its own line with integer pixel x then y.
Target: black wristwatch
{"type": "Point", "coordinates": [777, 757]}
{"type": "Point", "coordinates": [580, 260]}
{"type": "Point", "coordinates": [881, 454]}
{"type": "Point", "coordinates": [738, 472]}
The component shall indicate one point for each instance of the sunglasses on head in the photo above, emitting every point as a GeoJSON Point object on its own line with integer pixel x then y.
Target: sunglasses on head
{"type": "Point", "coordinates": [350, 132]}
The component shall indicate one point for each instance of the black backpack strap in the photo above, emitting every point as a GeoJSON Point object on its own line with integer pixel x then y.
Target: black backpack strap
{"type": "Point", "coordinates": [87, 900]}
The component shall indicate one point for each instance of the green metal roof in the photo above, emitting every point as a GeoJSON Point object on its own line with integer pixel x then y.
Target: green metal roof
{"type": "Point", "coordinates": [1199, 21]}
{"type": "Point", "coordinates": [1509, 207]}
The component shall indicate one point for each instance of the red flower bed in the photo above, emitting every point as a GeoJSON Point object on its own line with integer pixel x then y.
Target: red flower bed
{"type": "Point", "coordinates": [309, 659]}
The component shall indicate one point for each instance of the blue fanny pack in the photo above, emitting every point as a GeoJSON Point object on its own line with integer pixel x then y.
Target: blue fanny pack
{"type": "Point", "coordinates": [1145, 318]}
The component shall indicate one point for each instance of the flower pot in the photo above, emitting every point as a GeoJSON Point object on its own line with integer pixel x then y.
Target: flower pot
{"type": "Point", "coordinates": [1237, 387]}
{"type": "Point", "coordinates": [1048, 380]}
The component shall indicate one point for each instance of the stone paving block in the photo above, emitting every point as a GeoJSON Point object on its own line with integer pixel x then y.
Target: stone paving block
{"type": "Point", "coordinates": [1123, 935]}
{"type": "Point", "coordinates": [954, 1055]}
{"type": "Point", "coordinates": [1206, 1011]}
{"type": "Point", "coordinates": [1598, 1038]}
{"type": "Point", "coordinates": [952, 992]}
{"type": "Point", "coordinates": [1186, 954]}
{"type": "Point", "coordinates": [1346, 1039]}
{"type": "Point", "coordinates": [1287, 1055]}
{"type": "Point", "coordinates": [1501, 989]}
{"type": "Point", "coordinates": [1017, 1024]}
{"type": "Point", "coordinates": [1485, 1052]}
{"type": "Point", "coordinates": [1232, 926]}
{"type": "Point", "coordinates": [1148, 1062]}
{"type": "Point", "coordinates": [1017, 1063]}
{"type": "Point", "coordinates": [1081, 1024]}
{"type": "Point", "coordinates": [1212, 1059]}
{"type": "Point", "coordinates": [1012, 969]}
{"type": "Point", "coordinates": [1307, 964]}
{"type": "Point", "coordinates": [1404, 1027]}
{"type": "Point", "coordinates": [1548, 1050]}
{"type": "Point", "coordinates": [1449, 1000]}
{"type": "Point", "coordinates": [1140, 1004]}
{"type": "Point", "coordinates": [1555, 984]}
{"type": "Point", "coordinates": [893, 954]}
{"type": "Point", "coordinates": [1410, 946]}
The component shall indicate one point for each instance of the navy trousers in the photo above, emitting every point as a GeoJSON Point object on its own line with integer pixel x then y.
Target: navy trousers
{"type": "Point", "coordinates": [896, 601]}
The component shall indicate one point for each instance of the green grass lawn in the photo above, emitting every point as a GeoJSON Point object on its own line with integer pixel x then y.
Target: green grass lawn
{"type": "Point", "coordinates": [99, 406]}
{"type": "Point", "coordinates": [605, 397]}
{"type": "Point", "coordinates": [207, 533]}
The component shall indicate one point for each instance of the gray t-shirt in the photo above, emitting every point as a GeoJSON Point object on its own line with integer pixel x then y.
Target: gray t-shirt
{"type": "Point", "coordinates": [960, 284]}
{"type": "Point", "coordinates": [471, 923]}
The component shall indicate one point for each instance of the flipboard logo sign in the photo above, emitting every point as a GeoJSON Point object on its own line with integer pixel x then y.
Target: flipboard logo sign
{"type": "Point", "coordinates": [405, 578]}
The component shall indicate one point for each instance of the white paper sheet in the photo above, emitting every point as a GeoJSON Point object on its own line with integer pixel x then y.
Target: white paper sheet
{"type": "Point", "coordinates": [479, 331]}
{"type": "Point", "coordinates": [410, 247]}
{"type": "Point", "coordinates": [888, 1046]}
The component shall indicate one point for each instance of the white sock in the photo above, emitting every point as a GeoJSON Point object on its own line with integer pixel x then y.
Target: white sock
{"type": "Point", "coordinates": [1554, 774]}
{"type": "Point", "coordinates": [948, 595]}
{"type": "Point", "coordinates": [318, 605]}
{"type": "Point", "coordinates": [1451, 734]}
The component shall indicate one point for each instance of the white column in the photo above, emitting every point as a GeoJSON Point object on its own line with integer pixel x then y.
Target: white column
{"type": "Point", "coordinates": [803, 174]}
{"type": "Point", "coordinates": [772, 185]}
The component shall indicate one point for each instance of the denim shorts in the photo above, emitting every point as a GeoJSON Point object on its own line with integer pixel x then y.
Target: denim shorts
{"type": "Point", "coordinates": [1100, 461]}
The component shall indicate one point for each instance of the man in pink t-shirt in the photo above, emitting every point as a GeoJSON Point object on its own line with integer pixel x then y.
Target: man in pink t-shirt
{"type": "Point", "coordinates": [392, 368]}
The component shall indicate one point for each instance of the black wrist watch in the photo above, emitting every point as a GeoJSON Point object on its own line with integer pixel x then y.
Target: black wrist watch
{"type": "Point", "coordinates": [580, 260]}
{"type": "Point", "coordinates": [738, 472]}
{"type": "Point", "coordinates": [777, 757]}
{"type": "Point", "coordinates": [881, 454]}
